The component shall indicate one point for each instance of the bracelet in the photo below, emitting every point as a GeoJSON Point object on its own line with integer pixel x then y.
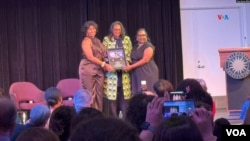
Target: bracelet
{"type": "Point", "coordinates": [103, 63]}
{"type": "Point", "coordinates": [147, 126]}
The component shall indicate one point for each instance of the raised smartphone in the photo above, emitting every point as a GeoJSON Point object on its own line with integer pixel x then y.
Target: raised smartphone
{"type": "Point", "coordinates": [178, 107]}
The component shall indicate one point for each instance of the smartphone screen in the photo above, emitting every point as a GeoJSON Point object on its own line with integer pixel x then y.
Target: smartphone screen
{"type": "Point", "coordinates": [143, 85]}
{"type": "Point", "coordinates": [177, 95]}
{"type": "Point", "coordinates": [179, 107]}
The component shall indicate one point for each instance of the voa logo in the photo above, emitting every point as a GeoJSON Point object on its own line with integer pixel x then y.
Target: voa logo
{"type": "Point", "coordinates": [236, 132]}
{"type": "Point", "coordinates": [223, 17]}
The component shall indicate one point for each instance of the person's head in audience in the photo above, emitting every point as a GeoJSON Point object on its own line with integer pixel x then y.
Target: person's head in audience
{"type": "Point", "coordinates": [39, 115]}
{"type": "Point", "coordinates": [162, 86]}
{"type": "Point", "coordinates": [194, 91]}
{"type": "Point", "coordinates": [178, 128]}
{"type": "Point", "coordinates": [60, 121]}
{"type": "Point", "coordinates": [86, 113]}
{"type": "Point", "coordinates": [137, 109]}
{"type": "Point", "coordinates": [53, 97]}
{"type": "Point", "coordinates": [82, 98]}
{"type": "Point", "coordinates": [37, 134]}
{"type": "Point", "coordinates": [8, 114]}
{"type": "Point", "coordinates": [218, 123]}
{"type": "Point", "coordinates": [203, 84]}
{"type": "Point", "coordinates": [108, 129]}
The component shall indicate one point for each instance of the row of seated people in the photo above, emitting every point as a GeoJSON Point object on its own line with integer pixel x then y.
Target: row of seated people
{"type": "Point", "coordinates": [139, 110]}
{"type": "Point", "coordinates": [65, 123]}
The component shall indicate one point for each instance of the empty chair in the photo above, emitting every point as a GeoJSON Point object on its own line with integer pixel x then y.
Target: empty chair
{"type": "Point", "coordinates": [68, 87]}
{"type": "Point", "coordinates": [26, 95]}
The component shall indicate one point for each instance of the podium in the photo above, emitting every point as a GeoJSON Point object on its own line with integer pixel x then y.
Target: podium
{"type": "Point", "coordinates": [237, 88]}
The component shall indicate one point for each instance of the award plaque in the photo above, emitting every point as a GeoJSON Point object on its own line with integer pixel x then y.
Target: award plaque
{"type": "Point", "coordinates": [116, 58]}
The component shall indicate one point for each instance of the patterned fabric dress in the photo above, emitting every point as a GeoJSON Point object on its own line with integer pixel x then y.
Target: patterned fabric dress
{"type": "Point", "coordinates": [111, 83]}
{"type": "Point", "coordinates": [117, 87]}
{"type": "Point", "coordinates": [92, 75]}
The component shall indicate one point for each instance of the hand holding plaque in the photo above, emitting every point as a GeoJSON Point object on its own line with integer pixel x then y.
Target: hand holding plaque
{"type": "Point", "coordinates": [116, 58]}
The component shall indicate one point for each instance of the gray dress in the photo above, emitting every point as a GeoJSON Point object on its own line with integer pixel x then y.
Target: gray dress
{"type": "Point", "coordinates": [148, 71]}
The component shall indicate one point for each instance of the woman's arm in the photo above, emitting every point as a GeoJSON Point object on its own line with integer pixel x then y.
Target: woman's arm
{"type": "Point", "coordinates": [86, 48]}
{"type": "Point", "coordinates": [147, 55]}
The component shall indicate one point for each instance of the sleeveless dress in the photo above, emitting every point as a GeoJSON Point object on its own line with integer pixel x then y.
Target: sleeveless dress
{"type": "Point", "coordinates": [91, 75]}
{"type": "Point", "coordinates": [148, 71]}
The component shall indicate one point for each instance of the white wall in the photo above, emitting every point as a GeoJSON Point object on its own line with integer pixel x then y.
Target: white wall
{"type": "Point", "coordinates": [248, 22]}
{"type": "Point", "coordinates": [187, 4]}
{"type": "Point", "coordinates": [206, 54]}
{"type": "Point", "coordinates": [208, 3]}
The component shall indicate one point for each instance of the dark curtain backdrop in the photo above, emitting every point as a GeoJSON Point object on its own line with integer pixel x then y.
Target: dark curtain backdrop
{"type": "Point", "coordinates": [40, 39]}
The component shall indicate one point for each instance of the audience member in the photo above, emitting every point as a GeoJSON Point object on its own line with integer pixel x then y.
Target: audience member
{"type": "Point", "coordinates": [117, 84]}
{"type": "Point", "coordinates": [54, 100]}
{"type": "Point", "coordinates": [60, 121]}
{"type": "Point", "coordinates": [8, 116]}
{"type": "Point", "coordinates": [153, 119]}
{"type": "Point", "coordinates": [194, 91]}
{"type": "Point", "coordinates": [178, 128]}
{"type": "Point", "coordinates": [137, 109]}
{"type": "Point", "coordinates": [204, 86]}
{"type": "Point", "coordinates": [108, 129]}
{"type": "Point", "coordinates": [37, 134]}
{"type": "Point", "coordinates": [204, 120]}
{"type": "Point", "coordinates": [86, 113]}
{"type": "Point", "coordinates": [82, 98]}
{"type": "Point", "coordinates": [162, 86]}
{"type": "Point", "coordinates": [39, 115]}
{"type": "Point", "coordinates": [218, 123]}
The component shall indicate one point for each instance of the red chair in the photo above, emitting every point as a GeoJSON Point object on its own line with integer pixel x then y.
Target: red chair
{"type": "Point", "coordinates": [26, 95]}
{"type": "Point", "coordinates": [68, 87]}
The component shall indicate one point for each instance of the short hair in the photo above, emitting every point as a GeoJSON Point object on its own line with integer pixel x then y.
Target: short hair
{"type": "Point", "coordinates": [37, 134]}
{"type": "Point", "coordinates": [202, 83]}
{"type": "Point", "coordinates": [60, 121]}
{"type": "Point", "coordinates": [86, 26]}
{"type": "Point", "coordinates": [82, 98]}
{"type": "Point", "coordinates": [218, 125]}
{"type": "Point", "coordinates": [39, 115]}
{"type": "Point", "coordinates": [86, 113]}
{"type": "Point", "coordinates": [8, 114]}
{"type": "Point", "coordinates": [161, 86]}
{"type": "Point", "coordinates": [110, 129]}
{"type": "Point", "coordinates": [52, 96]}
{"type": "Point", "coordinates": [137, 109]}
{"type": "Point", "coordinates": [123, 31]}
{"type": "Point", "coordinates": [178, 128]}
{"type": "Point", "coordinates": [196, 92]}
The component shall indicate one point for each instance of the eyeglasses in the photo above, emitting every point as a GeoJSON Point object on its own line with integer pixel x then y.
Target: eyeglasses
{"type": "Point", "coordinates": [116, 29]}
{"type": "Point", "coordinates": [139, 35]}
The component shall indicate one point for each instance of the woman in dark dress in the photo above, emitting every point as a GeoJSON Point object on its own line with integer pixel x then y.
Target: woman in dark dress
{"type": "Point", "coordinates": [143, 66]}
